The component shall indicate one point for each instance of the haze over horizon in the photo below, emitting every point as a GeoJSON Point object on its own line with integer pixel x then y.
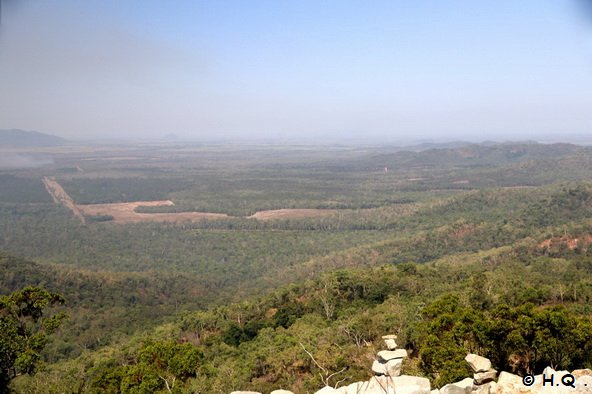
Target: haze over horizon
{"type": "Point", "coordinates": [297, 70]}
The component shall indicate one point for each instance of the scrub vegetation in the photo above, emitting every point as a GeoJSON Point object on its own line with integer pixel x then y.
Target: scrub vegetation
{"type": "Point", "coordinates": [479, 248]}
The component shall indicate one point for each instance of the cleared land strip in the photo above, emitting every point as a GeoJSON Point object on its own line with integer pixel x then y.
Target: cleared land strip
{"type": "Point", "coordinates": [292, 213]}
{"type": "Point", "coordinates": [59, 196]}
{"type": "Point", "coordinates": [125, 212]}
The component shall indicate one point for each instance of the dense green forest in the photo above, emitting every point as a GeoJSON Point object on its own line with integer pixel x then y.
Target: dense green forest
{"type": "Point", "coordinates": [480, 248]}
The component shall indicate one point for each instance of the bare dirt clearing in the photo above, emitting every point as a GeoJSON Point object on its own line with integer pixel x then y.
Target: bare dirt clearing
{"type": "Point", "coordinates": [125, 212]}
{"type": "Point", "coordinates": [292, 213]}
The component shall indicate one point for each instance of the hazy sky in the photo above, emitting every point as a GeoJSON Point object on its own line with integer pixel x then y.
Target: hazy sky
{"type": "Point", "coordinates": [376, 70]}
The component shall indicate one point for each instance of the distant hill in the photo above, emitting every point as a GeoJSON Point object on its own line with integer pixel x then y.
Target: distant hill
{"type": "Point", "coordinates": [15, 138]}
{"type": "Point", "coordinates": [435, 145]}
{"type": "Point", "coordinates": [486, 154]}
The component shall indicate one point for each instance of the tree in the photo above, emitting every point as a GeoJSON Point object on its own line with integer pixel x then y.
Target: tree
{"type": "Point", "coordinates": [159, 367]}
{"type": "Point", "coordinates": [24, 331]}
{"type": "Point", "coordinates": [171, 361]}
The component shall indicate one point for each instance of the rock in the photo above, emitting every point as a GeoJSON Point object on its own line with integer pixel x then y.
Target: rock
{"type": "Point", "coordinates": [389, 368]}
{"type": "Point", "coordinates": [354, 388]}
{"type": "Point", "coordinates": [406, 384]}
{"type": "Point", "coordinates": [549, 371]}
{"type": "Point", "coordinates": [386, 355]}
{"type": "Point", "coordinates": [393, 367]}
{"type": "Point", "coordinates": [465, 386]}
{"type": "Point", "coordinates": [583, 383]}
{"type": "Point", "coordinates": [281, 392]}
{"type": "Point", "coordinates": [560, 388]}
{"type": "Point", "coordinates": [397, 385]}
{"type": "Point", "coordinates": [484, 377]}
{"type": "Point", "coordinates": [384, 385]}
{"type": "Point", "coordinates": [379, 385]}
{"type": "Point", "coordinates": [326, 390]}
{"type": "Point", "coordinates": [435, 391]}
{"type": "Point", "coordinates": [245, 392]}
{"type": "Point", "coordinates": [487, 388]}
{"type": "Point", "coordinates": [578, 373]}
{"type": "Point", "coordinates": [508, 383]}
{"type": "Point", "coordinates": [389, 341]}
{"type": "Point", "coordinates": [379, 368]}
{"type": "Point", "coordinates": [478, 363]}
{"type": "Point", "coordinates": [390, 344]}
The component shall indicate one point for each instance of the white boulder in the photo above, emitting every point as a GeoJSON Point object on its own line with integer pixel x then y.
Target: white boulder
{"type": "Point", "coordinates": [386, 355]}
{"type": "Point", "coordinates": [393, 367]}
{"type": "Point", "coordinates": [327, 390]}
{"type": "Point", "coordinates": [406, 384]}
{"type": "Point", "coordinates": [465, 386]}
{"type": "Point", "coordinates": [478, 363]}
{"type": "Point", "coordinates": [379, 368]}
{"type": "Point", "coordinates": [487, 388]}
{"type": "Point", "coordinates": [484, 377]}
{"type": "Point", "coordinates": [245, 392]}
{"type": "Point", "coordinates": [582, 372]}
{"type": "Point", "coordinates": [508, 383]}
{"type": "Point", "coordinates": [389, 341]}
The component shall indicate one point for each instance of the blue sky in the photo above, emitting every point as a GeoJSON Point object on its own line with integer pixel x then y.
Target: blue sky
{"type": "Point", "coordinates": [332, 70]}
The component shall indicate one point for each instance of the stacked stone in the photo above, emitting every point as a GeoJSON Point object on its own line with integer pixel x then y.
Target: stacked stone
{"type": "Point", "coordinates": [483, 381]}
{"type": "Point", "coordinates": [483, 373]}
{"type": "Point", "coordinates": [388, 362]}
{"type": "Point", "coordinates": [484, 376]}
{"type": "Point", "coordinates": [389, 341]}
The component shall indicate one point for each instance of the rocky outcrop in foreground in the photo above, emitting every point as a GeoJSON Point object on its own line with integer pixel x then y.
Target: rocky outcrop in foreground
{"type": "Point", "coordinates": [485, 380]}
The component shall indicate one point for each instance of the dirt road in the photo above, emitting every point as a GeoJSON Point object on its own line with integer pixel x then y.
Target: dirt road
{"type": "Point", "coordinates": [60, 196]}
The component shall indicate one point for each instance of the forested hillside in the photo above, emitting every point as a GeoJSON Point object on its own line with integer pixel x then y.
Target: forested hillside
{"type": "Point", "coordinates": [480, 248]}
{"type": "Point", "coordinates": [525, 306]}
{"type": "Point", "coordinates": [14, 138]}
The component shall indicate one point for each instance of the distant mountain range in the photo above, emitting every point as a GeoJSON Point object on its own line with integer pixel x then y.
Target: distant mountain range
{"type": "Point", "coordinates": [15, 138]}
{"type": "Point", "coordinates": [423, 146]}
{"type": "Point", "coordinates": [471, 155]}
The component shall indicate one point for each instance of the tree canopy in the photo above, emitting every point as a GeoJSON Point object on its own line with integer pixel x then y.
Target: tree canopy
{"type": "Point", "coordinates": [24, 331]}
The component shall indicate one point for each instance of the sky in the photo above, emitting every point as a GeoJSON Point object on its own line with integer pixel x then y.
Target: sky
{"type": "Point", "coordinates": [382, 70]}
